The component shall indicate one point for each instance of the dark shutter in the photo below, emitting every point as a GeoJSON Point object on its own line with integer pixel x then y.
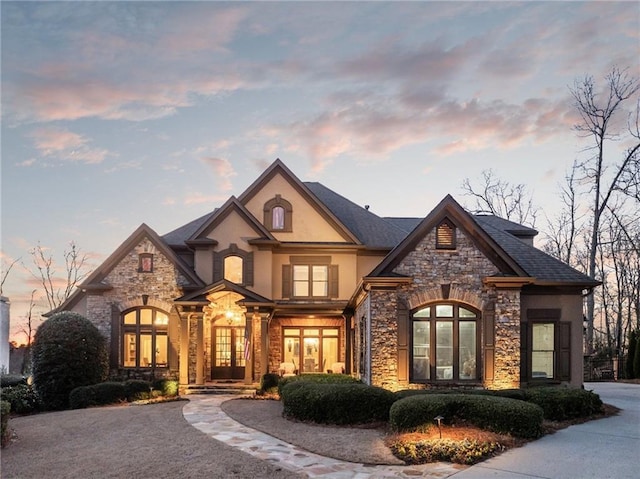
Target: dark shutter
{"type": "Point", "coordinates": [248, 269]}
{"type": "Point", "coordinates": [173, 332]}
{"type": "Point", "coordinates": [334, 291]}
{"type": "Point", "coordinates": [402, 315]}
{"type": "Point", "coordinates": [114, 349]}
{"type": "Point", "coordinates": [564, 351]}
{"type": "Point", "coordinates": [488, 342]}
{"type": "Point", "coordinates": [217, 266]}
{"type": "Point", "coordinates": [525, 373]}
{"type": "Point", "coordinates": [286, 280]}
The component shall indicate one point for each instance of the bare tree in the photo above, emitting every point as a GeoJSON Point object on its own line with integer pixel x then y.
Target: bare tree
{"type": "Point", "coordinates": [564, 231]}
{"type": "Point", "coordinates": [599, 119]}
{"type": "Point", "coordinates": [28, 330]}
{"type": "Point", "coordinates": [58, 289]}
{"type": "Point", "coordinates": [501, 198]}
{"type": "Point", "coordinates": [6, 269]}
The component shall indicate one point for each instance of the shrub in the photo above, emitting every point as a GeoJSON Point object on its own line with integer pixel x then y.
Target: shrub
{"type": "Point", "coordinates": [269, 382]}
{"type": "Point", "coordinates": [166, 387]}
{"type": "Point", "coordinates": [68, 351]}
{"type": "Point", "coordinates": [334, 403]}
{"type": "Point", "coordinates": [97, 395]}
{"type": "Point", "coordinates": [467, 451]}
{"type": "Point", "coordinates": [22, 397]}
{"type": "Point", "coordinates": [7, 380]}
{"type": "Point", "coordinates": [501, 415]}
{"type": "Point", "coordinates": [137, 389]}
{"type": "Point", "coordinates": [317, 378]}
{"type": "Point", "coordinates": [82, 397]}
{"type": "Point", "coordinates": [5, 432]}
{"type": "Point", "coordinates": [560, 403]}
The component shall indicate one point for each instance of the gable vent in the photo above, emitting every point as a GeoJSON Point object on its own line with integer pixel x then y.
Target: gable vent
{"type": "Point", "coordinates": [445, 236]}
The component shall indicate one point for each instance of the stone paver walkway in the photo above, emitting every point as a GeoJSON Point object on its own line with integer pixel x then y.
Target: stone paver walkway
{"type": "Point", "coordinates": [204, 413]}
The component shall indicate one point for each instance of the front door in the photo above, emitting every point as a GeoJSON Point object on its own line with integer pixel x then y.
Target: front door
{"type": "Point", "coordinates": [228, 353]}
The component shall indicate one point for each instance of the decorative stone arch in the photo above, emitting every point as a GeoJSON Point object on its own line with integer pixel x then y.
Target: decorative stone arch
{"type": "Point", "coordinates": [446, 292]}
{"type": "Point", "coordinates": [139, 303]}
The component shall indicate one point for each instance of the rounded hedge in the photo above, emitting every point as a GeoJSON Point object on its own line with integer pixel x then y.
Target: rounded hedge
{"type": "Point", "coordinates": [498, 414]}
{"type": "Point", "coordinates": [68, 351]}
{"type": "Point", "coordinates": [336, 403]}
{"type": "Point", "coordinates": [323, 378]}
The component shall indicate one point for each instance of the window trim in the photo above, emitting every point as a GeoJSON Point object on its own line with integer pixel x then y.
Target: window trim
{"type": "Point", "coordinates": [321, 335]}
{"type": "Point", "coordinates": [455, 320]}
{"type": "Point", "coordinates": [288, 214]}
{"type": "Point", "coordinates": [138, 329]}
{"type": "Point", "coordinates": [141, 262]}
{"type": "Point", "coordinates": [247, 264]}
{"type": "Point", "coordinates": [288, 289]}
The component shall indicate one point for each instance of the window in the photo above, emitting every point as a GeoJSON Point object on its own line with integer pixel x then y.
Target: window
{"type": "Point", "coordinates": [144, 338]}
{"type": "Point", "coordinates": [277, 218]}
{"type": "Point", "coordinates": [311, 350]}
{"type": "Point", "coordinates": [278, 214]}
{"type": "Point", "coordinates": [233, 269]}
{"type": "Point", "coordinates": [310, 277]}
{"type": "Point", "coordinates": [444, 343]}
{"type": "Point", "coordinates": [542, 350]}
{"type": "Point", "coordinates": [145, 263]}
{"type": "Point", "coordinates": [233, 264]}
{"type": "Point", "coordinates": [445, 236]}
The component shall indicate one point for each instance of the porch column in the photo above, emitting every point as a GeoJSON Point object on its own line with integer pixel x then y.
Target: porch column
{"type": "Point", "coordinates": [184, 349]}
{"type": "Point", "coordinates": [200, 351]}
{"type": "Point", "coordinates": [248, 364]}
{"type": "Point", "coordinates": [264, 344]}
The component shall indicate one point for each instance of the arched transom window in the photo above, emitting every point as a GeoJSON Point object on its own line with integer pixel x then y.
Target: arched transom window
{"type": "Point", "coordinates": [445, 340]}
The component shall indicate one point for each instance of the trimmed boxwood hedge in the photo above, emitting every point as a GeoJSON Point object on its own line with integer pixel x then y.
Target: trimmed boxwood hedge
{"type": "Point", "coordinates": [336, 403]}
{"type": "Point", "coordinates": [501, 415]}
{"type": "Point", "coordinates": [5, 433]}
{"type": "Point", "coordinates": [317, 378]}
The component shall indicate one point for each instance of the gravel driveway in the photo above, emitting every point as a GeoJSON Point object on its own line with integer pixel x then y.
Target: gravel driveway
{"type": "Point", "coordinates": [152, 441]}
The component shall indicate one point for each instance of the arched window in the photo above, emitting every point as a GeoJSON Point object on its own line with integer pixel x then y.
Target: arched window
{"type": "Point", "coordinates": [278, 214]}
{"type": "Point", "coordinates": [445, 339]}
{"type": "Point", "coordinates": [233, 265]}
{"type": "Point", "coordinates": [144, 338]}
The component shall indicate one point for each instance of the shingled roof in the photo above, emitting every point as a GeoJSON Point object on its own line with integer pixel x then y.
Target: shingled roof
{"type": "Point", "coordinates": [372, 230]}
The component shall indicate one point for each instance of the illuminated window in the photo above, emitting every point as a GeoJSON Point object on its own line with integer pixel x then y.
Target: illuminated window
{"type": "Point", "coordinates": [233, 269]}
{"type": "Point", "coordinates": [310, 277]}
{"type": "Point", "coordinates": [312, 350]}
{"type": "Point", "coordinates": [445, 236]}
{"type": "Point", "coordinates": [144, 338]}
{"type": "Point", "coordinates": [444, 344]}
{"type": "Point", "coordinates": [145, 263]}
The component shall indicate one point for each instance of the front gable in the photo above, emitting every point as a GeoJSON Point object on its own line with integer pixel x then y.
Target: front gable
{"type": "Point", "coordinates": [310, 220]}
{"type": "Point", "coordinates": [442, 232]}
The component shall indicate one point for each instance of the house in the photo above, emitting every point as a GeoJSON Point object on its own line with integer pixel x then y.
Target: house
{"type": "Point", "coordinates": [290, 277]}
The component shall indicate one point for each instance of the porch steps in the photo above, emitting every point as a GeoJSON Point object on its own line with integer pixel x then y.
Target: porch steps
{"type": "Point", "coordinates": [232, 387]}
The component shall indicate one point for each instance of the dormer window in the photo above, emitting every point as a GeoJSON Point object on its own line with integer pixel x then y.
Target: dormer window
{"type": "Point", "coordinates": [445, 236]}
{"type": "Point", "coordinates": [232, 268]}
{"type": "Point", "coordinates": [145, 263]}
{"type": "Point", "coordinates": [278, 214]}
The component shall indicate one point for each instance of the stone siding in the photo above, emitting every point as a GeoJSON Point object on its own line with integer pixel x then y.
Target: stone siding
{"type": "Point", "coordinates": [461, 271]}
{"type": "Point", "coordinates": [162, 286]}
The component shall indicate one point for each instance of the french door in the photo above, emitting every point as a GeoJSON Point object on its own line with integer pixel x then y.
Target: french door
{"type": "Point", "coordinates": [228, 353]}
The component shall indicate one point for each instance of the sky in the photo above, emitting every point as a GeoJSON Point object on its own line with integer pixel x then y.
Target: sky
{"type": "Point", "coordinates": [121, 113]}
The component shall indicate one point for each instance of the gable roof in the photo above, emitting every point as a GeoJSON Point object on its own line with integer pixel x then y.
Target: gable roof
{"type": "Point", "coordinates": [200, 296]}
{"type": "Point", "coordinates": [94, 280]}
{"type": "Point", "coordinates": [177, 237]}
{"type": "Point", "coordinates": [450, 209]}
{"type": "Point", "coordinates": [370, 229]}
{"type": "Point", "coordinates": [278, 167]}
{"type": "Point", "coordinates": [500, 236]}
{"type": "Point", "coordinates": [232, 204]}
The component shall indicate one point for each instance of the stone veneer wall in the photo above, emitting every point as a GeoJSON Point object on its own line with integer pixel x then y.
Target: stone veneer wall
{"type": "Point", "coordinates": [463, 269]}
{"type": "Point", "coordinates": [162, 286]}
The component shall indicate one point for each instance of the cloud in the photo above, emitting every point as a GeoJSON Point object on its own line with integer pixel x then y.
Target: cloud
{"type": "Point", "coordinates": [60, 144]}
{"type": "Point", "coordinates": [199, 198]}
{"type": "Point", "coordinates": [223, 170]}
